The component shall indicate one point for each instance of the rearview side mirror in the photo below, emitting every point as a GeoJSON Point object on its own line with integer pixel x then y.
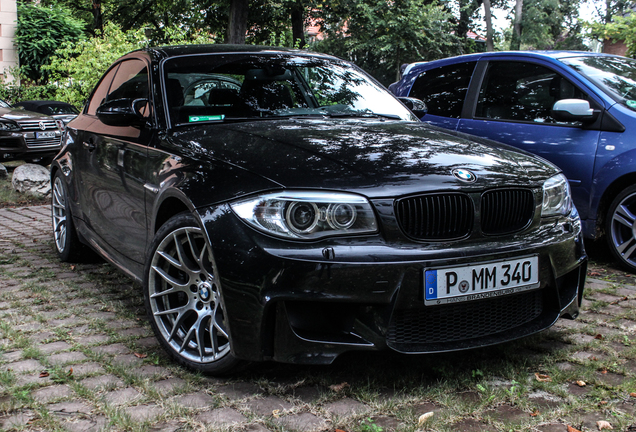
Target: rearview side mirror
{"type": "Point", "coordinates": [573, 110]}
{"type": "Point", "coordinates": [123, 112]}
{"type": "Point", "coordinates": [417, 106]}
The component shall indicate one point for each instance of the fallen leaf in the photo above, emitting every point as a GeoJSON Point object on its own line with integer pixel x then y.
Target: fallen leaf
{"type": "Point", "coordinates": [603, 371]}
{"type": "Point", "coordinates": [44, 374]}
{"type": "Point", "coordinates": [70, 372]}
{"type": "Point", "coordinates": [339, 387]}
{"type": "Point", "coordinates": [571, 429]}
{"type": "Point", "coordinates": [73, 267]}
{"type": "Point", "coordinates": [593, 358]}
{"type": "Point", "coordinates": [592, 273]}
{"type": "Point", "coordinates": [35, 240]}
{"type": "Point", "coordinates": [424, 418]}
{"type": "Point", "coordinates": [542, 377]}
{"type": "Point", "coordinates": [535, 413]}
{"type": "Point", "coordinates": [602, 424]}
{"type": "Point", "coordinates": [340, 430]}
{"type": "Point", "coordinates": [139, 355]}
{"type": "Point", "coordinates": [602, 403]}
{"type": "Point", "coordinates": [276, 414]}
{"type": "Point", "coordinates": [633, 394]}
{"type": "Point", "coordinates": [581, 383]}
{"type": "Point", "coordinates": [599, 337]}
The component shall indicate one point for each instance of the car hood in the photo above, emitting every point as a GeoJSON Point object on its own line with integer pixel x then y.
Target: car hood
{"type": "Point", "coordinates": [371, 157]}
{"type": "Point", "coordinates": [18, 115]}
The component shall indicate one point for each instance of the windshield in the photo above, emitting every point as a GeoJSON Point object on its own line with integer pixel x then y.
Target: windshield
{"type": "Point", "coordinates": [247, 87]}
{"type": "Point", "coordinates": [614, 75]}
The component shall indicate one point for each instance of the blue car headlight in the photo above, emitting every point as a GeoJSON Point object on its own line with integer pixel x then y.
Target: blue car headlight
{"type": "Point", "coordinates": [308, 215]}
{"type": "Point", "coordinates": [557, 200]}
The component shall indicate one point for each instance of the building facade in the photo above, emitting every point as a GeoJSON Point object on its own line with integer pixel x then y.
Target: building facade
{"type": "Point", "coordinates": [8, 53]}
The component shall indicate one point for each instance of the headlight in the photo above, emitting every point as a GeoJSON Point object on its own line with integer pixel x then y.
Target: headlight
{"type": "Point", "coordinates": [556, 197]}
{"type": "Point", "coordinates": [308, 215]}
{"type": "Point", "coordinates": [8, 126]}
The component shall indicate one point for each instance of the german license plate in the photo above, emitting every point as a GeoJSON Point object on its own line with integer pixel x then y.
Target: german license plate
{"type": "Point", "coordinates": [47, 134]}
{"type": "Point", "coordinates": [480, 281]}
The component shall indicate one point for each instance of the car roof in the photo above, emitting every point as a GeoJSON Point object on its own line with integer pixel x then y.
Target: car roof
{"type": "Point", "coordinates": [556, 55]}
{"type": "Point", "coordinates": [39, 103]}
{"type": "Point", "coordinates": [164, 52]}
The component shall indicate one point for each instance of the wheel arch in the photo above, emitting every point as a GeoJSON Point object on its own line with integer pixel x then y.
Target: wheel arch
{"type": "Point", "coordinates": [171, 205]}
{"type": "Point", "coordinates": [611, 192]}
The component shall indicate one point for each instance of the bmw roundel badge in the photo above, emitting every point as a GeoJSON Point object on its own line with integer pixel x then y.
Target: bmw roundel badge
{"type": "Point", "coordinates": [464, 175]}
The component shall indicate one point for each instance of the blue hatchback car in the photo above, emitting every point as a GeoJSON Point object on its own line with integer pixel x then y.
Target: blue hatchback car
{"type": "Point", "coordinates": [576, 109]}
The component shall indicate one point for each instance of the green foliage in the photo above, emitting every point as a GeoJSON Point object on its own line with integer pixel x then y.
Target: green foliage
{"type": "Point", "coordinates": [77, 67]}
{"type": "Point", "coordinates": [379, 35]}
{"type": "Point", "coordinates": [622, 28]}
{"type": "Point", "coordinates": [41, 31]}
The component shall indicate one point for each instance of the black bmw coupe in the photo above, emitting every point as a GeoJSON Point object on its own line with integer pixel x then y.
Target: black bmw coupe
{"type": "Point", "coordinates": [279, 204]}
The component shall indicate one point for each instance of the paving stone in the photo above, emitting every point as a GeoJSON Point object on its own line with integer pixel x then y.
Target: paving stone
{"type": "Point", "coordinates": [69, 408]}
{"type": "Point", "coordinates": [471, 425]}
{"type": "Point", "coordinates": [580, 339]}
{"type": "Point", "coordinates": [102, 381]}
{"type": "Point", "coordinates": [266, 406]}
{"type": "Point", "coordinates": [65, 322]}
{"type": "Point", "coordinates": [83, 424]}
{"type": "Point", "coordinates": [143, 413]}
{"type": "Point", "coordinates": [128, 360]}
{"type": "Point", "coordinates": [87, 369]}
{"type": "Point", "coordinates": [111, 349]}
{"type": "Point", "coordinates": [610, 379]}
{"type": "Point", "coordinates": [152, 371]}
{"type": "Point", "coordinates": [345, 407]}
{"type": "Point", "coordinates": [134, 332]}
{"type": "Point", "coordinates": [50, 393]}
{"type": "Point", "coordinates": [54, 347]}
{"type": "Point", "coordinates": [169, 426]}
{"type": "Point", "coordinates": [589, 356]}
{"type": "Point", "coordinates": [16, 421]}
{"type": "Point", "coordinates": [10, 357]}
{"type": "Point", "coordinates": [553, 427]}
{"type": "Point", "coordinates": [507, 414]}
{"type": "Point", "coordinates": [39, 337]}
{"type": "Point", "coordinates": [543, 399]}
{"type": "Point", "coordinates": [195, 400]}
{"type": "Point", "coordinates": [123, 396]}
{"type": "Point", "coordinates": [307, 394]}
{"type": "Point", "coordinates": [221, 417]}
{"type": "Point", "coordinates": [305, 422]}
{"type": "Point", "coordinates": [576, 390]}
{"type": "Point", "coordinates": [67, 357]}
{"type": "Point", "coordinates": [100, 315]}
{"type": "Point", "coordinates": [387, 423]}
{"type": "Point", "coordinates": [148, 342]}
{"type": "Point", "coordinates": [92, 339]}
{"type": "Point", "coordinates": [29, 365]}
{"type": "Point", "coordinates": [239, 390]}
{"type": "Point", "coordinates": [170, 385]}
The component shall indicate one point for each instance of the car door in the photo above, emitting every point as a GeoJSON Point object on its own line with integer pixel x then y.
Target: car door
{"type": "Point", "coordinates": [113, 161]}
{"type": "Point", "coordinates": [512, 104]}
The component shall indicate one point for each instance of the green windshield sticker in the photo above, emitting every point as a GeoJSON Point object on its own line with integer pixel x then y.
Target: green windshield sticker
{"type": "Point", "coordinates": [206, 118]}
{"type": "Point", "coordinates": [631, 103]}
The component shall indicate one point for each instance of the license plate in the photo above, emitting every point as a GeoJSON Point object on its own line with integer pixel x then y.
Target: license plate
{"type": "Point", "coordinates": [48, 134]}
{"type": "Point", "coordinates": [480, 281]}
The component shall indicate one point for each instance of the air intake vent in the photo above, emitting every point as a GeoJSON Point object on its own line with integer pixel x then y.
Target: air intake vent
{"type": "Point", "coordinates": [506, 211]}
{"type": "Point", "coordinates": [436, 217]}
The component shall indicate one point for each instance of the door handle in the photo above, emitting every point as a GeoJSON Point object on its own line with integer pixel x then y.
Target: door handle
{"type": "Point", "coordinates": [90, 144]}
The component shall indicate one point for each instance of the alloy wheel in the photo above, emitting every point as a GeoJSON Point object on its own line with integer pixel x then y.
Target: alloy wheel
{"type": "Point", "coordinates": [185, 298]}
{"type": "Point", "coordinates": [623, 230]}
{"type": "Point", "coordinates": [58, 203]}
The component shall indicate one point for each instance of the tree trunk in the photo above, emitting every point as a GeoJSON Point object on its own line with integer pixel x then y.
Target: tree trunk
{"type": "Point", "coordinates": [490, 46]}
{"type": "Point", "coordinates": [237, 27]}
{"type": "Point", "coordinates": [515, 43]}
{"type": "Point", "coordinates": [298, 23]}
{"type": "Point", "coordinates": [98, 21]}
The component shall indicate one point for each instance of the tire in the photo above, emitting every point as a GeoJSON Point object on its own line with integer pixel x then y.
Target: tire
{"type": "Point", "coordinates": [184, 300]}
{"type": "Point", "coordinates": [620, 228]}
{"type": "Point", "coordinates": [67, 244]}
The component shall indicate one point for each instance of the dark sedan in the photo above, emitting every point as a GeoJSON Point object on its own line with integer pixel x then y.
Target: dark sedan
{"type": "Point", "coordinates": [290, 208]}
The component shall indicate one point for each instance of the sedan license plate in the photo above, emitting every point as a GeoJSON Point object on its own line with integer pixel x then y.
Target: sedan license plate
{"type": "Point", "coordinates": [48, 134]}
{"type": "Point", "coordinates": [480, 281]}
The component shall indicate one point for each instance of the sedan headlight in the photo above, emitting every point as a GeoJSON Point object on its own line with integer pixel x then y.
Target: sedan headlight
{"type": "Point", "coordinates": [8, 126]}
{"type": "Point", "coordinates": [308, 215]}
{"type": "Point", "coordinates": [557, 200]}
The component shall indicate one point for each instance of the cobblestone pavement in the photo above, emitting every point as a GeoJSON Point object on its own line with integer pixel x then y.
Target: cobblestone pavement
{"type": "Point", "coordinates": [77, 354]}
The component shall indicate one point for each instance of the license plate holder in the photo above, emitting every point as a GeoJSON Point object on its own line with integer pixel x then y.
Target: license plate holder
{"type": "Point", "coordinates": [480, 281]}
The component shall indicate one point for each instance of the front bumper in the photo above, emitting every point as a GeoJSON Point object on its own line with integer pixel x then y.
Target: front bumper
{"type": "Point", "coordinates": [309, 302]}
{"type": "Point", "coordinates": [21, 144]}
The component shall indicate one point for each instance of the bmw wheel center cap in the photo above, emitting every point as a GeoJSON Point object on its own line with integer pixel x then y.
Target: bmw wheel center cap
{"type": "Point", "coordinates": [205, 291]}
{"type": "Point", "coordinates": [464, 175]}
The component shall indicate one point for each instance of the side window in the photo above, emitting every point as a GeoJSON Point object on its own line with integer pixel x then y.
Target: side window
{"type": "Point", "coordinates": [523, 92]}
{"type": "Point", "coordinates": [131, 81]}
{"type": "Point", "coordinates": [99, 96]}
{"type": "Point", "coordinates": [444, 89]}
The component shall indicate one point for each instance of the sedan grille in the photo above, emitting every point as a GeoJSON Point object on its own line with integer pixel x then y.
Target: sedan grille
{"type": "Point", "coordinates": [465, 320]}
{"type": "Point", "coordinates": [436, 217]}
{"type": "Point", "coordinates": [506, 211]}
